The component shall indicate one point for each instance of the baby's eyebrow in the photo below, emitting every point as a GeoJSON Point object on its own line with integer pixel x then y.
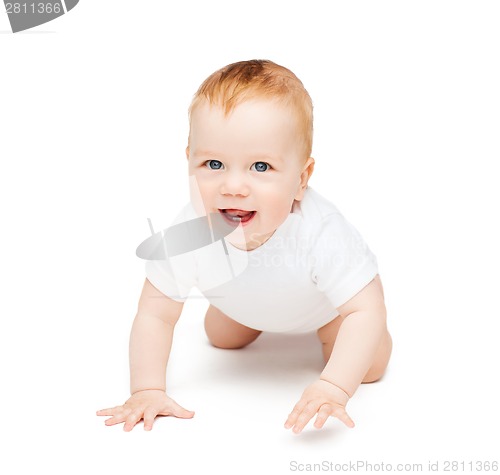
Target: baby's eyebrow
{"type": "Point", "coordinates": [266, 158]}
{"type": "Point", "coordinates": [204, 153]}
{"type": "Point", "coordinates": [258, 157]}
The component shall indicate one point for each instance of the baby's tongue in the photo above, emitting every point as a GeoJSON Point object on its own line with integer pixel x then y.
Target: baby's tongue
{"type": "Point", "coordinates": [237, 213]}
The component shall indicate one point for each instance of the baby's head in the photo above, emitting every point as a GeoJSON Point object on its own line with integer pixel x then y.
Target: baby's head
{"type": "Point", "coordinates": [259, 80]}
{"type": "Point", "coordinates": [249, 146]}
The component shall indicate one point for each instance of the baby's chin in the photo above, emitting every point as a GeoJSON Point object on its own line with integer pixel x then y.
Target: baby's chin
{"type": "Point", "coordinates": [248, 242]}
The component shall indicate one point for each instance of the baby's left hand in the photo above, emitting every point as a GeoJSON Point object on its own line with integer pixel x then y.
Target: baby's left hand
{"type": "Point", "coordinates": [323, 398]}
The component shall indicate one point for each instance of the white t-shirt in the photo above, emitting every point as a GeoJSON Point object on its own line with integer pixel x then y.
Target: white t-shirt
{"type": "Point", "coordinates": [293, 283]}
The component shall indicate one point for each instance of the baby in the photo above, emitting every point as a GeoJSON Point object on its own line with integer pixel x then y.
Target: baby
{"type": "Point", "coordinates": [289, 263]}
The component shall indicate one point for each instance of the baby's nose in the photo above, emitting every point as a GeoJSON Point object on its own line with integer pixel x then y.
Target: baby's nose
{"type": "Point", "coordinates": [235, 183]}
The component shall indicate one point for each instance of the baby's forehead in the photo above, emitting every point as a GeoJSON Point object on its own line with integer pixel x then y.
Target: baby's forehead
{"type": "Point", "coordinates": [248, 115]}
{"type": "Point", "coordinates": [259, 119]}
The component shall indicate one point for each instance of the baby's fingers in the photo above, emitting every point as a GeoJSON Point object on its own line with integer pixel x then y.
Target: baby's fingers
{"type": "Point", "coordinates": [305, 415]}
{"type": "Point", "coordinates": [292, 417]}
{"type": "Point", "coordinates": [323, 414]}
{"type": "Point", "coordinates": [110, 411]}
{"type": "Point", "coordinates": [326, 410]}
{"type": "Point", "coordinates": [342, 415]}
{"type": "Point", "coordinates": [133, 418]}
{"type": "Point", "coordinates": [179, 411]}
{"type": "Point", "coordinates": [149, 417]}
{"type": "Point", "coordinates": [118, 414]}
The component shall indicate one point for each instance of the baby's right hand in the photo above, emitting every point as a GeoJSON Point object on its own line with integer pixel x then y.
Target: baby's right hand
{"type": "Point", "coordinates": [145, 405]}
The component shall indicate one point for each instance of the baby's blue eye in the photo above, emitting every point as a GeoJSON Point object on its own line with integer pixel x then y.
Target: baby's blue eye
{"type": "Point", "coordinates": [214, 164]}
{"type": "Point", "coordinates": [261, 166]}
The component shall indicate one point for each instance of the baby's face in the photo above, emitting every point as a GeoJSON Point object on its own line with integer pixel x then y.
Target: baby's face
{"type": "Point", "coordinates": [247, 167]}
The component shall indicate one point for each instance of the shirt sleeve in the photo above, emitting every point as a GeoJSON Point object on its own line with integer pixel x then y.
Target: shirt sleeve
{"type": "Point", "coordinates": [342, 263]}
{"type": "Point", "coordinates": [174, 276]}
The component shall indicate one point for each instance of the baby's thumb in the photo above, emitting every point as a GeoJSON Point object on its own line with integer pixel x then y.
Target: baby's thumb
{"type": "Point", "coordinates": [179, 411]}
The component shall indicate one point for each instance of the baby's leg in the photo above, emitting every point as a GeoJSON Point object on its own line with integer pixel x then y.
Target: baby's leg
{"type": "Point", "coordinates": [224, 332]}
{"type": "Point", "coordinates": [328, 334]}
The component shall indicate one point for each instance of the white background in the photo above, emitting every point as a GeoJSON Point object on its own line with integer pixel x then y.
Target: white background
{"type": "Point", "coordinates": [93, 126]}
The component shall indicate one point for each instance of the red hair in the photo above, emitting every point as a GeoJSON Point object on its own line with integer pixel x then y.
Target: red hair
{"type": "Point", "coordinates": [259, 79]}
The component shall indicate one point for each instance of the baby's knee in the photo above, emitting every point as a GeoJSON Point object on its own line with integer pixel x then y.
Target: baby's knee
{"type": "Point", "coordinates": [228, 341]}
{"type": "Point", "coordinates": [222, 339]}
{"type": "Point", "coordinates": [381, 360]}
{"type": "Point", "coordinates": [226, 344]}
{"type": "Point", "coordinates": [223, 332]}
{"type": "Point", "coordinates": [374, 374]}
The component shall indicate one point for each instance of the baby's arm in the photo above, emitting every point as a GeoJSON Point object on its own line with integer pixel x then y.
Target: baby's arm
{"type": "Point", "coordinates": [353, 355]}
{"type": "Point", "coordinates": [150, 344]}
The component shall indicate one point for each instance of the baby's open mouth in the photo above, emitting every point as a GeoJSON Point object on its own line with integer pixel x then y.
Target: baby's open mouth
{"type": "Point", "coordinates": [237, 216]}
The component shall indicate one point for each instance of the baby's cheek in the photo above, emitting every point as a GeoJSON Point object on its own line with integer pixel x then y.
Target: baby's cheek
{"type": "Point", "coordinates": [276, 217]}
{"type": "Point", "coordinates": [197, 194]}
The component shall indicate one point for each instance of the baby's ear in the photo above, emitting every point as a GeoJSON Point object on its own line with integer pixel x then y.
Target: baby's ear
{"type": "Point", "coordinates": [304, 178]}
{"type": "Point", "coordinates": [187, 152]}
